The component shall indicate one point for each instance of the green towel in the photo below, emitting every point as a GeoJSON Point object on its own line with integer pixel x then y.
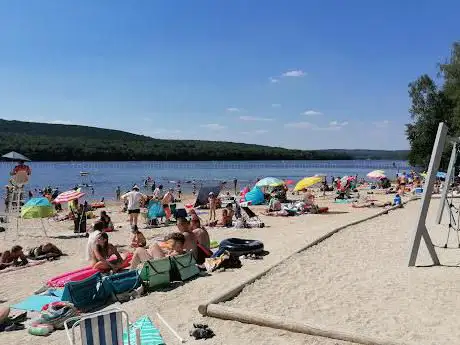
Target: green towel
{"type": "Point", "coordinates": [150, 335]}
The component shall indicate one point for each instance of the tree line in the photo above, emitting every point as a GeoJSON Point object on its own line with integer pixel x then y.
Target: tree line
{"type": "Point", "coordinates": [434, 102]}
{"type": "Point", "coordinates": [55, 142]}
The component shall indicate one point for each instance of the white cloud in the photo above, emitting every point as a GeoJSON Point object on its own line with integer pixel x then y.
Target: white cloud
{"type": "Point", "coordinates": [273, 80]}
{"type": "Point", "coordinates": [234, 110]}
{"type": "Point", "coordinates": [299, 125]}
{"type": "Point", "coordinates": [294, 73]}
{"type": "Point", "coordinates": [254, 118]}
{"type": "Point", "coordinates": [344, 123]}
{"type": "Point", "coordinates": [311, 113]}
{"type": "Point", "coordinates": [333, 123]}
{"type": "Point", "coordinates": [276, 105]}
{"type": "Point", "coordinates": [213, 126]}
{"type": "Point", "coordinates": [147, 119]}
{"type": "Point", "coordinates": [61, 122]}
{"type": "Point", "coordinates": [255, 132]}
{"type": "Point", "coordinates": [381, 124]}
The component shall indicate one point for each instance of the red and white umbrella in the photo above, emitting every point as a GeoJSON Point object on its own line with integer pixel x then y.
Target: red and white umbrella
{"type": "Point", "coordinates": [68, 196]}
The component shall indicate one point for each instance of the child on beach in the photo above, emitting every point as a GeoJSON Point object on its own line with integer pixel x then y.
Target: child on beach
{"type": "Point", "coordinates": [138, 239]}
{"type": "Point", "coordinates": [212, 200]}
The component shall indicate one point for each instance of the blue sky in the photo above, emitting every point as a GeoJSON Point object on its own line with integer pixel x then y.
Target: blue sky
{"type": "Point", "coordinates": [298, 74]}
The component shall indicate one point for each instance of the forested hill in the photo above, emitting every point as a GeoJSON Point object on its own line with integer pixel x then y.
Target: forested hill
{"type": "Point", "coordinates": [57, 142]}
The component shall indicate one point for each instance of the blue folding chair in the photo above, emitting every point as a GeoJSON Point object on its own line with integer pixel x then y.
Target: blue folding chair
{"type": "Point", "coordinates": [103, 328]}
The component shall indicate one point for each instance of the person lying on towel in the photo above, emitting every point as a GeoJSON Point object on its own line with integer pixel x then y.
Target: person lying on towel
{"type": "Point", "coordinates": [44, 251]}
{"type": "Point", "coordinates": [13, 257]}
{"type": "Point", "coordinates": [171, 246]}
{"type": "Point", "coordinates": [102, 252]}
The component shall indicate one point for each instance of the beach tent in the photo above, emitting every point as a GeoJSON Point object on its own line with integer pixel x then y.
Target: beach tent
{"type": "Point", "coordinates": [203, 194]}
{"type": "Point", "coordinates": [14, 156]}
{"type": "Point", "coordinates": [37, 208]}
{"type": "Point", "coordinates": [255, 196]}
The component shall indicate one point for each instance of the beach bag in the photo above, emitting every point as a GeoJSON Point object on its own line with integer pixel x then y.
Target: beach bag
{"type": "Point", "coordinates": [184, 267]}
{"type": "Point", "coordinates": [156, 273]}
{"type": "Point", "coordinates": [87, 294]}
{"type": "Point", "coordinates": [120, 283]}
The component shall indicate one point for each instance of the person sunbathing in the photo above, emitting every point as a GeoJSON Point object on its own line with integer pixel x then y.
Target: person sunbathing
{"type": "Point", "coordinates": [13, 257]}
{"type": "Point", "coordinates": [102, 252]}
{"type": "Point", "coordinates": [172, 245]}
{"type": "Point", "coordinates": [47, 250]}
{"type": "Point", "coordinates": [138, 239]}
{"type": "Point", "coordinates": [369, 203]}
{"type": "Point", "coordinates": [193, 237]}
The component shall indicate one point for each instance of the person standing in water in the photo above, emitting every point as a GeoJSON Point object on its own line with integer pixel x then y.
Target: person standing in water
{"type": "Point", "coordinates": [235, 183]}
{"type": "Point", "coordinates": [118, 193]}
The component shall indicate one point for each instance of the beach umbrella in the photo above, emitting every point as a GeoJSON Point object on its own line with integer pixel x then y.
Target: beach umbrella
{"type": "Point", "coordinates": [289, 182]}
{"type": "Point", "coordinates": [376, 174]}
{"type": "Point", "coordinates": [270, 182]}
{"type": "Point", "coordinates": [37, 208]}
{"type": "Point", "coordinates": [307, 182]}
{"type": "Point", "coordinates": [68, 196]}
{"type": "Point", "coordinates": [14, 156]}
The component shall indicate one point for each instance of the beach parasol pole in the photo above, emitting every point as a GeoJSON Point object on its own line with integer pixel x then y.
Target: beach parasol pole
{"type": "Point", "coordinates": [170, 328]}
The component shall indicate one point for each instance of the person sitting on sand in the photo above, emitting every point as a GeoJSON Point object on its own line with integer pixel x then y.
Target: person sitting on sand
{"type": "Point", "coordinates": [102, 252]}
{"type": "Point", "coordinates": [47, 250]}
{"type": "Point", "coordinates": [274, 205]}
{"type": "Point", "coordinates": [226, 219]}
{"type": "Point", "coordinates": [94, 233]}
{"type": "Point", "coordinates": [193, 237]}
{"type": "Point", "coordinates": [171, 246]}
{"type": "Point", "coordinates": [138, 239]}
{"type": "Point", "coordinates": [106, 221]}
{"type": "Point", "coordinates": [195, 221]}
{"type": "Point", "coordinates": [13, 257]}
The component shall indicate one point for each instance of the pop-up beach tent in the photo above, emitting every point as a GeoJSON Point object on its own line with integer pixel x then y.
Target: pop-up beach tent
{"type": "Point", "coordinates": [203, 194]}
{"type": "Point", "coordinates": [255, 196]}
{"type": "Point", "coordinates": [37, 208]}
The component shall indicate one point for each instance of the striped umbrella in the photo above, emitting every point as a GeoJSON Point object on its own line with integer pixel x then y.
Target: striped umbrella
{"type": "Point", "coordinates": [68, 196]}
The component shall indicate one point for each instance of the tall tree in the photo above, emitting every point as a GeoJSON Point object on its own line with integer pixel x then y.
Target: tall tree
{"type": "Point", "coordinates": [432, 104]}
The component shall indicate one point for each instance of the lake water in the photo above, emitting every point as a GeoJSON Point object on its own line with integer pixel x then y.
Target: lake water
{"type": "Point", "coordinates": [106, 176]}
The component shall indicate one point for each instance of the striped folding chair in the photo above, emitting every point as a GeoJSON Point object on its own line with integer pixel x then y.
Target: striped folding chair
{"type": "Point", "coordinates": [101, 328]}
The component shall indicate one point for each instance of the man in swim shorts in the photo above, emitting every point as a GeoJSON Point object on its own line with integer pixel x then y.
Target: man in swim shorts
{"type": "Point", "coordinates": [134, 199]}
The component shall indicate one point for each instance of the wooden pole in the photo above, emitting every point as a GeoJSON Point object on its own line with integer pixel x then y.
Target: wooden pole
{"type": "Point", "coordinates": [265, 320]}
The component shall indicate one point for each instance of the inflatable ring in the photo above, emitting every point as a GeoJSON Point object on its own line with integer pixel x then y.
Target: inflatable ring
{"type": "Point", "coordinates": [239, 246]}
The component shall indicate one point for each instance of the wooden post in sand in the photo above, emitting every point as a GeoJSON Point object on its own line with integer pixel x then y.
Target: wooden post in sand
{"type": "Point", "coordinates": [420, 227]}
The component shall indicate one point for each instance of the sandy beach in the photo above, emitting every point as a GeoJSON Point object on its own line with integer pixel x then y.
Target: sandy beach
{"type": "Point", "coordinates": [281, 237]}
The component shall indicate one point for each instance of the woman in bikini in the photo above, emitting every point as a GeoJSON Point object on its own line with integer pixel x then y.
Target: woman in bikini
{"type": "Point", "coordinates": [101, 254]}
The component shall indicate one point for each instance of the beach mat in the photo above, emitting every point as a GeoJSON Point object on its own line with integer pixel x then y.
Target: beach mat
{"type": "Point", "coordinates": [17, 268]}
{"type": "Point", "coordinates": [81, 274]}
{"type": "Point", "coordinates": [68, 235]}
{"type": "Point", "coordinates": [149, 333]}
{"type": "Point", "coordinates": [35, 303]}
{"type": "Point", "coordinates": [343, 201]}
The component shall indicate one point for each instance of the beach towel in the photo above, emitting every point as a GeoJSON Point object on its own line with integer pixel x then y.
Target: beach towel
{"type": "Point", "coordinates": [81, 274]}
{"type": "Point", "coordinates": [149, 333]}
{"type": "Point", "coordinates": [16, 268]}
{"type": "Point", "coordinates": [35, 302]}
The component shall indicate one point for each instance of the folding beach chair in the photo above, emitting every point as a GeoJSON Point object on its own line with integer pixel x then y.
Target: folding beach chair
{"type": "Point", "coordinates": [105, 327]}
{"type": "Point", "coordinates": [251, 218]}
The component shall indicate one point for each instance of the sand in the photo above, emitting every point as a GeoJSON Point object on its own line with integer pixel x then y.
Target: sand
{"type": "Point", "coordinates": [358, 281]}
{"type": "Point", "coordinates": [281, 237]}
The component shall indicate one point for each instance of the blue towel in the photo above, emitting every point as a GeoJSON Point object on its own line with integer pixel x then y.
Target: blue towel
{"type": "Point", "coordinates": [35, 302]}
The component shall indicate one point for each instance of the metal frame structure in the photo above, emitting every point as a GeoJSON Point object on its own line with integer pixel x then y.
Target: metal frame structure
{"type": "Point", "coordinates": [449, 177]}
{"type": "Point", "coordinates": [421, 230]}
